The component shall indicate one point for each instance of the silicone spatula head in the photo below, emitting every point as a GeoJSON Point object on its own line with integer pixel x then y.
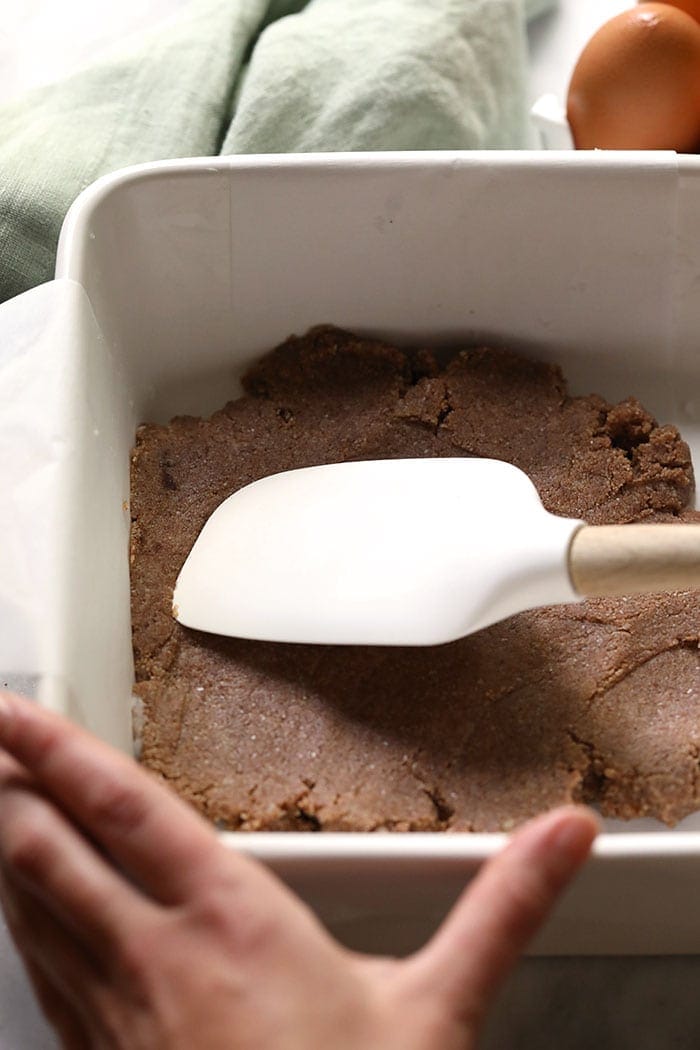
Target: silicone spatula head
{"type": "Point", "coordinates": [385, 552]}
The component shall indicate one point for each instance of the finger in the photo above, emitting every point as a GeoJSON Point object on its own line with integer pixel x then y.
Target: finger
{"type": "Point", "coordinates": [158, 839]}
{"type": "Point", "coordinates": [60, 972]}
{"type": "Point", "coordinates": [42, 851]}
{"type": "Point", "coordinates": [495, 918]}
{"type": "Point", "coordinates": [57, 1011]}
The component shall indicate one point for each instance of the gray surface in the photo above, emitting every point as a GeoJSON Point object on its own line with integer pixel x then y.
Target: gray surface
{"type": "Point", "coordinates": [642, 1003]}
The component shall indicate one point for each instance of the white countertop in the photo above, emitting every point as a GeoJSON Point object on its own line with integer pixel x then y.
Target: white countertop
{"type": "Point", "coordinates": [647, 1003]}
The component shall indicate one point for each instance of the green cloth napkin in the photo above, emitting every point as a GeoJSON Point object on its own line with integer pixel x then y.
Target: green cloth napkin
{"type": "Point", "coordinates": [263, 76]}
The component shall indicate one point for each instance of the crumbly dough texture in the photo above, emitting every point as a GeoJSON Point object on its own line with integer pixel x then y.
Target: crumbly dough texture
{"type": "Point", "coordinates": [597, 702]}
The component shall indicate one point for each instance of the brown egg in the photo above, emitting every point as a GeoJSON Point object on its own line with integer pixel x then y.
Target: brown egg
{"type": "Point", "coordinates": [691, 7]}
{"type": "Point", "coordinates": [637, 83]}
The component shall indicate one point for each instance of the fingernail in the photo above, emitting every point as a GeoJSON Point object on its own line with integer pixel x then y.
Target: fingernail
{"type": "Point", "coordinates": [574, 833]}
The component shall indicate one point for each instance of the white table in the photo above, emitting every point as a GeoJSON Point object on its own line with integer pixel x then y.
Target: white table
{"type": "Point", "coordinates": [563, 1004]}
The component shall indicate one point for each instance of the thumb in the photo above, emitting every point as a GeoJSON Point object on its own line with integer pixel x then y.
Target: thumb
{"type": "Point", "coordinates": [490, 925]}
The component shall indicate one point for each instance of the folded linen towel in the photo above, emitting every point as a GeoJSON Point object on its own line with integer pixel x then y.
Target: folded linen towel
{"type": "Point", "coordinates": [385, 74]}
{"type": "Point", "coordinates": [263, 76]}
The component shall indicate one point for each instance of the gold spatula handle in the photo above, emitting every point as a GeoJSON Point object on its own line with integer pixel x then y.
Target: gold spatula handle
{"type": "Point", "coordinates": [609, 560]}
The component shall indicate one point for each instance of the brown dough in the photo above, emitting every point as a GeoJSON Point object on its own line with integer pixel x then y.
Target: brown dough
{"type": "Point", "coordinates": [596, 702]}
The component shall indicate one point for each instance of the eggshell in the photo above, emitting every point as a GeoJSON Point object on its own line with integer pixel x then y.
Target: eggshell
{"type": "Point", "coordinates": [637, 83]}
{"type": "Point", "coordinates": [691, 7]}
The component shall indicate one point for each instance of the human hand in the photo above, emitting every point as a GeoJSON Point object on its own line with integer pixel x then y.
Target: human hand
{"type": "Point", "coordinates": [139, 930]}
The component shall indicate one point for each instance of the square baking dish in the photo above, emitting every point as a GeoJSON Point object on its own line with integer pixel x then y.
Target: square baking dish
{"type": "Point", "coordinates": [173, 277]}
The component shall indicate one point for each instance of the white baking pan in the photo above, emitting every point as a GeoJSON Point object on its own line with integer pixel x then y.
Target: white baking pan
{"type": "Point", "coordinates": [173, 277]}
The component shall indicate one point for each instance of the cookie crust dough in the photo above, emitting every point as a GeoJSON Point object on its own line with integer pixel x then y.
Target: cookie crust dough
{"type": "Point", "coordinates": [597, 702]}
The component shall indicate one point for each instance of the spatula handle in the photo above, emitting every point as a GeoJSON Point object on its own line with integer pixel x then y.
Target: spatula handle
{"type": "Point", "coordinates": [609, 560]}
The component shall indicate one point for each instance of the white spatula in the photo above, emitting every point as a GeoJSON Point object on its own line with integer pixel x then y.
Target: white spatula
{"type": "Point", "coordinates": [408, 552]}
